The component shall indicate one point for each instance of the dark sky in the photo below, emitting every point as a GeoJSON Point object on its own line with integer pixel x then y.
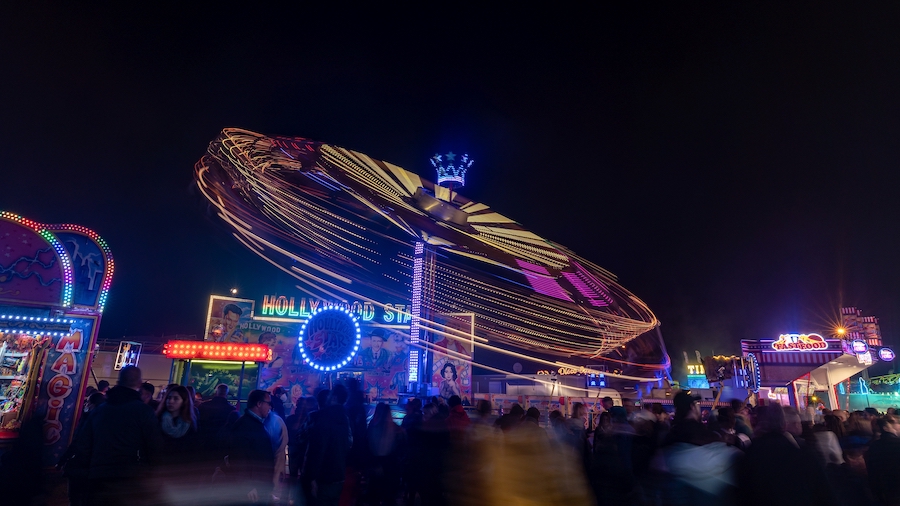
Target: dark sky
{"type": "Point", "coordinates": [734, 165]}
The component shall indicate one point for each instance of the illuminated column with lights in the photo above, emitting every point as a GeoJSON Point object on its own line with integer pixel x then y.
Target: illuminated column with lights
{"type": "Point", "coordinates": [416, 310]}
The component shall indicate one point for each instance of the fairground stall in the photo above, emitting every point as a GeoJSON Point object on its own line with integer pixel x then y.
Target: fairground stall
{"type": "Point", "coordinates": [302, 343]}
{"type": "Point", "coordinates": [798, 369]}
{"type": "Point", "coordinates": [54, 281]}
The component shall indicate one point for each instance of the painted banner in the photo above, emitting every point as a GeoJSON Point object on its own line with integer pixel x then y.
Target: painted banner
{"type": "Point", "coordinates": [451, 369]}
{"type": "Point", "coordinates": [384, 361]}
{"type": "Point", "coordinates": [227, 319]}
{"type": "Point", "coordinates": [59, 397]}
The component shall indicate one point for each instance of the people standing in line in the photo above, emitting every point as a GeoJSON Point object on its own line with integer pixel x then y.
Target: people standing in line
{"type": "Point", "coordinates": [250, 453]}
{"type": "Point", "coordinates": [121, 442]}
{"type": "Point", "coordinates": [357, 459]}
{"type": "Point", "coordinates": [329, 443]}
{"type": "Point", "coordinates": [211, 419]}
{"type": "Point", "coordinates": [306, 485]}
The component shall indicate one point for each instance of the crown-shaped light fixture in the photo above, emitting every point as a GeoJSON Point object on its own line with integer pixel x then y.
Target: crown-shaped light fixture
{"type": "Point", "coordinates": [451, 169]}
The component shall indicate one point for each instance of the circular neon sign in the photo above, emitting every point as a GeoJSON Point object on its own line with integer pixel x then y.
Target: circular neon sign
{"type": "Point", "coordinates": [859, 346]}
{"type": "Point", "coordinates": [886, 354]}
{"type": "Point", "coordinates": [330, 338]}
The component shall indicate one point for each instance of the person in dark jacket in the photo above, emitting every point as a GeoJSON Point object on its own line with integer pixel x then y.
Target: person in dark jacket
{"type": "Point", "coordinates": [120, 441]}
{"type": "Point", "coordinates": [75, 465]}
{"type": "Point", "coordinates": [211, 421]}
{"type": "Point", "coordinates": [881, 462]}
{"type": "Point", "coordinates": [329, 443]}
{"type": "Point", "coordinates": [250, 453]}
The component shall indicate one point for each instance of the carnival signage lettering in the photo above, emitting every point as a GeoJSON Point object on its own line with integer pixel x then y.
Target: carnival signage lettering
{"type": "Point", "coordinates": [800, 342]}
{"type": "Point", "coordinates": [61, 384]}
{"type": "Point", "coordinates": [304, 307]}
{"type": "Point", "coordinates": [886, 354]}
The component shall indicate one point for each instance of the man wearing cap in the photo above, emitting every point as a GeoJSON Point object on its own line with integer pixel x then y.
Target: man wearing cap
{"type": "Point", "coordinates": [687, 426]}
{"type": "Point", "coordinates": [376, 356]}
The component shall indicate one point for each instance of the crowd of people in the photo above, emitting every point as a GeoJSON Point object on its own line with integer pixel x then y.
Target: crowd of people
{"type": "Point", "coordinates": [132, 449]}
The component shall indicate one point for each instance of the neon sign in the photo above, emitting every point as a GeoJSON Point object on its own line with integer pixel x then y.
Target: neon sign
{"type": "Point", "coordinates": [330, 339]}
{"type": "Point", "coordinates": [800, 342]}
{"type": "Point", "coordinates": [60, 386]}
{"type": "Point", "coordinates": [859, 346]}
{"type": "Point", "coordinates": [303, 307]}
{"type": "Point", "coordinates": [886, 354]}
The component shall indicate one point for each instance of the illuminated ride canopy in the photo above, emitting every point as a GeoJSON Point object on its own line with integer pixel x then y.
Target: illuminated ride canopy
{"type": "Point", "coordinates": [346, 225]}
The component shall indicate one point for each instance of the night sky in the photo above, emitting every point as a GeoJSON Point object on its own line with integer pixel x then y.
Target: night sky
{"type": "Point", "coordinates": [734, 165]}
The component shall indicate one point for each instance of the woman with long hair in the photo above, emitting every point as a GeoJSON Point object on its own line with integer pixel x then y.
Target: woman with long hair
{"type": "Point", "coordinates": [178, 424]}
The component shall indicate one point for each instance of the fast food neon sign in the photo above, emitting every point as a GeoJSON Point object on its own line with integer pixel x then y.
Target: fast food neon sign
{"type": "Point", "coordinates": [800, 342]}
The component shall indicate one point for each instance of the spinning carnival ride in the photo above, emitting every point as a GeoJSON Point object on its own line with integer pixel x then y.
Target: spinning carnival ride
{"type": "Point", "coordinates": [348, 226]}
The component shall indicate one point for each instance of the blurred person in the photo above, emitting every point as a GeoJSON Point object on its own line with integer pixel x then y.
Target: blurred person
{"type": "Point", "coordinates": [607, 403]}
{"type": "Point", "coordinates": [612, 469]}
{"type": "Point", "coordinates": [357, 459]}
{"type": "Point", "coordinates": [776, 452]}
{"type": "Point", "coordinates": [458, 421]}
{"type": "Point", "coordinates": [147, 391]}
{"type": "Point", "coordinates": [279, 396]}
{"type": "Point", "coordinates": [696, 466]}
{"type": "Point", "coordinates": [882, 462]}
{"type": "Point", "coordinates": [250, 456]}
{"type": "Point", "coordinates": [742, 418]}
{"type": "Point", "coordinates": [330, 439]}
{"type": "Point", "coordinates": [211, 419]}
{"type": "Point", "coordinates": [306, 486]}
{"type": "Point", "coordinates": [103, 387]}
{"type": "Point", "coordinates": [415, 461]}
{"type": "Point", "coordinates": [297, 443]}
{"type": "Point", "coordinates": [121, 443]}
{"type": "Point", "coordinates": [433, 454]}
{"type": "Point", "coordinates": [511, 419]}
{"type": "Point", "coordinates": [858, 432]}
{"type": "Point", "coordinates": [726, 422]}
{"type": "Point", "coordinates": [75, 465]}
{"type": "Point", "coordinates": [385, 445]}
{"type": "Point", "coordinates": [278, 435]}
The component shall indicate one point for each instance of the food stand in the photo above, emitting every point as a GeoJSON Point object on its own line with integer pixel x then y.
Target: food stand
{"type": "Point", "coordinates": [795, 367]}
{"type": "Point", "coordinates": [54, 282]}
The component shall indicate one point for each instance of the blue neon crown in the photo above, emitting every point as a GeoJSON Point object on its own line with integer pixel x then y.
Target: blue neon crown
{"type": "Point", "coordinates": [450, 170]}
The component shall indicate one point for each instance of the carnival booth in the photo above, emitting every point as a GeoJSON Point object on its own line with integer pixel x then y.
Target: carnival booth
{"type": "Point", "coordinates": [300, 344]}
{"type": "Point", "coordinates": [54, 281]}
{"type": "Point", "coordinates": [797, 368]}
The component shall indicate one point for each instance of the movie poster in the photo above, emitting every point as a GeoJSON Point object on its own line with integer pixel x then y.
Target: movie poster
{"type": "Point", "coordinates": [451, 370]}
{"type": "Point", "coordinates": [227, 319]}
{"type": "Point", "coordinates": [384, 360]}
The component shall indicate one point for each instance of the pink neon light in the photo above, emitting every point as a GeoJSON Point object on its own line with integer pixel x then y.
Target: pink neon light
{"type": "Point", "coordinates": [542, 284]}
{"type": "Point", "coordinates": [592, 296]}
